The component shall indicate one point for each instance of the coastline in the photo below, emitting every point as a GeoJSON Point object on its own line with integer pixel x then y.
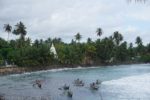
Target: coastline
{"type": "Point", "coordinates": [21, 70]}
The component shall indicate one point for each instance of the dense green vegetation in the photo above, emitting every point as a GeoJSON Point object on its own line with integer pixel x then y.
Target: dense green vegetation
{"type": "Point", "coordinates": [112, 49]}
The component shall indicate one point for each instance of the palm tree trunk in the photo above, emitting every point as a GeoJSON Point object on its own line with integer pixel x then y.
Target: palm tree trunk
{"type": "Point", "coordinates": [8, 37]}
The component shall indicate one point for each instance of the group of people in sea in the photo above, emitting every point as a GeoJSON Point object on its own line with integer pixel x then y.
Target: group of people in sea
{"type": "Point", "coordinates": [94, 85]}
{"type": "Point", "coordinates": [66, 88]}
{"type": "Point", "coordinates": [78, 82]}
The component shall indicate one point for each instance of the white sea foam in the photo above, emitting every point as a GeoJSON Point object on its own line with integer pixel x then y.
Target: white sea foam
{"type": "Point", "coordinates": [54, 70]}
{"type": "Point", "coordinates": [133, 86]}
{"type": "Point", "coordinates": [63, 69]}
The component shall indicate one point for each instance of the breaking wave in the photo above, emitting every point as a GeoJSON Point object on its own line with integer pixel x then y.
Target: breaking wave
{"type": "Point", "coordinates": [54, 70]}
{"type": "Point", "coordinates": [130, 87]}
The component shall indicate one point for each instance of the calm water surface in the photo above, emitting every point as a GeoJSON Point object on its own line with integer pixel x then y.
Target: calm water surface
{"type": "Point", "coordinates": [123, 82]}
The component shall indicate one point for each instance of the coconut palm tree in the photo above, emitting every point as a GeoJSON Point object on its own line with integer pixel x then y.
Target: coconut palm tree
{"type": "Point", "coordinates": [36, 43]}
{"type": "Point", "coordinates": [78, 37]}
{"type": "Point", "coordinates": [117, 38]}
{"type": "Point", "coordinates": [140, 47]}
{"type": "Point", "coordinates": [99, 32]}
{"type": "Point", "coordinates": [138, 41]}
{"type": "Point", "coordinates": [20, 30]}
{"type": "Point", "coordinates": [89, 40]}
{"type": "Point", "coordinates": [7, 29]}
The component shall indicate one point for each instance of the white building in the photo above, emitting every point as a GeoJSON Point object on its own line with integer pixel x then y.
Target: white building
{"type": "Point", "coordinates": [53, 50]}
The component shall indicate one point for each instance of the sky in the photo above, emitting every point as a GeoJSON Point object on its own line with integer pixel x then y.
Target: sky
{"type": "Point", "coordinates": [65, 18]}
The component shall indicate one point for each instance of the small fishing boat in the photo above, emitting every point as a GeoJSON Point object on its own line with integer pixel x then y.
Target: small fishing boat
{"type": "Point", "coordinates": [70, 94]}
{"type": "Point", "coordinates": [94, 86]}
{"type": "Point", "coordinates": [38, 83]}
{"type": "Point", "coordinates": [65, 87]}
{"type": "Point", "coordinates": [78, 82]}
{"type": "Point", "coordinates": [98, 82]}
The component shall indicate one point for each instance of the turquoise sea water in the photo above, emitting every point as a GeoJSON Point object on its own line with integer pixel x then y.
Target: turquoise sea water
{"type": "Point", "coordinates": [123, 82]}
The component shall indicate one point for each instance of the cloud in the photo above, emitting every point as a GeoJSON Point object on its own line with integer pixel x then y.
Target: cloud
{"type": "Point", "coordinates": [64, 18]}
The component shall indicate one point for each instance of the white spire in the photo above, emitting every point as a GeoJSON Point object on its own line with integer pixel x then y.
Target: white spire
{"type": "Point", "coordinates": [53, 50]}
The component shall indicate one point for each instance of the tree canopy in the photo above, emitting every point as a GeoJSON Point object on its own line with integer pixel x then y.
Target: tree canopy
{"type": "Point", "coordinates": [107, 50]}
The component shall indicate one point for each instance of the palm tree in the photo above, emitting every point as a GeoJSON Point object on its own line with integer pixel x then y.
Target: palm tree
{"type": "Point", "coordinates": [138, 41]}
{"type": "Point", "coordinates": [140, 47]}
{"type": "Point", "coordinates": [117, 38]}
{"type": "Point", "coordinates": [20, 30]}
{"type": "Point", "coordinates": [99, 32]}
{"type": "Point", "coordinates": [7, 29]}
{"type": "Point", "coordinates": [49, 40]}
{"type": "Point", "coordinates": [36, 43]}
{"type": "Point", "coordinates": [57, 40]}
{"type": "Point", "coordinates": [78, 37]}
{"type": "Point", "coordinates": [89, 40]}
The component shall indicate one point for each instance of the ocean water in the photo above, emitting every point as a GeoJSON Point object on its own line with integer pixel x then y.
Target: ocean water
{"type": "Point", "coordinates": [123, 82]}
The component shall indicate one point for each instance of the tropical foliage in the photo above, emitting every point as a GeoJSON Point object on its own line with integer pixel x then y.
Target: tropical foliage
{"type": "Point", "coordinates": [7, 29]}
{"type": "Point", "coordinates": [107, 50]}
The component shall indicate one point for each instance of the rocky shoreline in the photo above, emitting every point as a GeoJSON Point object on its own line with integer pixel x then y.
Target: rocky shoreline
{"type": "Point", "coordinates": [19, 70]}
